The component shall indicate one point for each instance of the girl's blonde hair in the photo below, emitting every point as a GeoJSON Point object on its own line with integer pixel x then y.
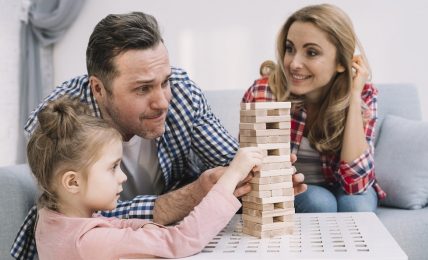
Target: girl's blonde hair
{"type": "Point", "coordinates": [66, 139]}
{"type": "Point", "coordinates": [326, 133]}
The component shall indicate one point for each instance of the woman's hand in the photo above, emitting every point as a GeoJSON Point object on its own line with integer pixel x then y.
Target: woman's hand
{"type": "Point", "coordinates": [360, 74]}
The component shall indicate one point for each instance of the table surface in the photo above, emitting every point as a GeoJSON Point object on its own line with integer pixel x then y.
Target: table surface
{"type": "Point", "coordinates": [317, 236]}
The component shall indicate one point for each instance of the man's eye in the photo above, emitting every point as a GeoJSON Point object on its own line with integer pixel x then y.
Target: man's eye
{"type": "Point", "coordinates": [165, 84]}
{"type": "Point", "coordinates": [143, 89]}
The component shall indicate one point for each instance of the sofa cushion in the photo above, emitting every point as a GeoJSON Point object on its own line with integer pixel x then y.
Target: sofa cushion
{"type": "Point", "coordinates": [401, 162]}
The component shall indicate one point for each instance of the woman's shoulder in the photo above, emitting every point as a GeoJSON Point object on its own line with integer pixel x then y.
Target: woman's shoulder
{"type": "Point", "coordinates": [369, 89]}
{"type": "Point", "coordinates": [259, 91]}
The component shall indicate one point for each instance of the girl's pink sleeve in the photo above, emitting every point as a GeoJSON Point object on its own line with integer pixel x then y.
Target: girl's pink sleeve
{"type": "Point", "coordinates": [187, 238]}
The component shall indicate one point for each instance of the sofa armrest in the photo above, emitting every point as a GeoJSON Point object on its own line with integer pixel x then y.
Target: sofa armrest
{"type": "Point", "coordinates": [18, 193]}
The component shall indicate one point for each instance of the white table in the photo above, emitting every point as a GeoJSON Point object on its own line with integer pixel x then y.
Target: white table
{"type": "Point", "coordinates": [317, 236]}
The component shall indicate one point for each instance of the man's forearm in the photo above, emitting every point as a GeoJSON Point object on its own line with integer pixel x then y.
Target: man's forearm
{"type": "Point", "coordinates": [175, 205]}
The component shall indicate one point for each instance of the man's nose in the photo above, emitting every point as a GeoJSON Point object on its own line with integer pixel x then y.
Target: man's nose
{"type": "Point", "coordinates": [160, 98]}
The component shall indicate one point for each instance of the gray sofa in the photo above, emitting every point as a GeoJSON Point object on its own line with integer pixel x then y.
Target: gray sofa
{"type": "Point", "coordinates": [409, 227]}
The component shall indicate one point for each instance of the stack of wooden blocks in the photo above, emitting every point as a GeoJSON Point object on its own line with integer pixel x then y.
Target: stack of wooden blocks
{"type": "Point", "coordinates": [268, 209]}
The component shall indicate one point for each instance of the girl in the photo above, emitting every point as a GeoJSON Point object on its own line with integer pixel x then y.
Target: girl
{"type": "Point", "coordinates": [333, 109]}
{"type": "Point", "coordinates": [76, 160]}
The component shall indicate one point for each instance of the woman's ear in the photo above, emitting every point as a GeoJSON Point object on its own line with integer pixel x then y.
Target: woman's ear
{"type": "Point", "coordinates": [72, 181]}
{"type": "Point", "coordinates": [340, 68]}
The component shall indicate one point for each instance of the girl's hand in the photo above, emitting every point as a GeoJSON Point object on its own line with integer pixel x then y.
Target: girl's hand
{"type": "Point", "coordinates": [245, 160]}
{"type": "Point", "coordinates": [360, 74]}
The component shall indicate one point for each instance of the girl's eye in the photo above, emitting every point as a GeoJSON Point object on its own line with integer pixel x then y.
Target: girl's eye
{"type": "Point", "coordinates": [115, 166]}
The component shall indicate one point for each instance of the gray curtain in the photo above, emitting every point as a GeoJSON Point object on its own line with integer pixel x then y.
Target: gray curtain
{"type": "Point", "coordinates": [46, 23]}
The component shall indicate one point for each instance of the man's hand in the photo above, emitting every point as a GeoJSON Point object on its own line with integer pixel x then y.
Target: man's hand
{"type": "Point", "coordinates": [210, 177]}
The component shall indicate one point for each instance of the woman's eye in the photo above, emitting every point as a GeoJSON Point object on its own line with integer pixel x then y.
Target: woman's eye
{"type": "Point", "coordinates": [312, 53]}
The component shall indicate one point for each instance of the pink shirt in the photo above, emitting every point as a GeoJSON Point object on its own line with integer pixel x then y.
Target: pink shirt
{"type": "Point", "coordinates": [62, 237]}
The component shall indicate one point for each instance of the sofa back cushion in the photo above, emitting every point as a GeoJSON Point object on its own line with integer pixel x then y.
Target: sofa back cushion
{"type": "Point", "coordinates": [396, 99]}
{"type": "Point", "coordinates": [401, 158]}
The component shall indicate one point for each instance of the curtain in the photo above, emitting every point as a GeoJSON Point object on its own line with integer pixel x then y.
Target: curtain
{"type": "Point", "coordinates": [43, 23]}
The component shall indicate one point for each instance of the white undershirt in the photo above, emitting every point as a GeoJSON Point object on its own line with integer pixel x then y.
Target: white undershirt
{"type": "Point", "coordinates": [140, 163]}
{"type": "Point", "coordinates": [309, 163]}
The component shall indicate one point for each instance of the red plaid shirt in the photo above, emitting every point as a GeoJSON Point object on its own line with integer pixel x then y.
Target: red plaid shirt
{"type": "Point", "coordinates": [354, 177]}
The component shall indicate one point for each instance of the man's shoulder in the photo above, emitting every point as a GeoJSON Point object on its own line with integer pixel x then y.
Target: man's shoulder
{"type": "Point", "coordinates": [181, 84]}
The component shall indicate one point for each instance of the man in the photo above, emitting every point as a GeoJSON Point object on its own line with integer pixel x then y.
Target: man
{"type": "Point", "coordinates": [163, 118]}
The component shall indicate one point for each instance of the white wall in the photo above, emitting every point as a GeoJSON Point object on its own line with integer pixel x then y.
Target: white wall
{"type": "Point", "coordinates": [9, 85]}
{"type": "Point", "coordinates": [221, 43]}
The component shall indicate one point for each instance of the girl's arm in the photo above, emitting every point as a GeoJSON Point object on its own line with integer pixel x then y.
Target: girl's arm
{"type": "Point", "coordinates": [187, 238]}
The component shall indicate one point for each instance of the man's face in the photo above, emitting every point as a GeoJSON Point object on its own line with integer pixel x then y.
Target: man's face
{"type": "Point", "coordinates": [140, 93]}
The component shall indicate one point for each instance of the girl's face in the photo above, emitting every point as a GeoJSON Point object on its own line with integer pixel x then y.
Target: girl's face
{"type": "Point", "coordinates": [309, 60]}
{"type": "Point", "coordinates": [105, 178]}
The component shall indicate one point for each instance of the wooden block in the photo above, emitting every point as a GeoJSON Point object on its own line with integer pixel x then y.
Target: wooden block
{"type": "Point", "coordinates": [275, 193]}
{"type": "Point", "coordinates": [269, 132]}
{"type": "Point", "coordinates": [276, 158]}
{"type": "Point", "coordinates": [267, 200]}
{"type": "Point", "coordinates": [260, 220]}
{"type": "Point", "coordinates": [268, 213]}
{"type": "Point", "coordinates": [266, 146]}
{"type": "Point", "coordinates": [260, 193]}
{"type": "Point", "coordinates": [271, 226]}
{"type": "Point", "coordinates": [260, 180]}
{"type": "Point", "coordinates": [268, 233]}
{"type": "Point", "coordinates": [257, 206]}
{"type": "Point", "coordinates": [254, 139]}
{"type": "Point", "coordinates": [281, 192]}
{"type": "Point", "coordinates": [278, 125]}
{"type": "Point", "coordinates": [271, 179]}
{"type": "Point", "coordinates": [265, 119]}
{"type": "Point", "coordinates": [279, 179]}
{"type": "Point", "coordinates": [278, 112]}
{"type": "Point", "coordinates": [271, 186]}
{"type": "Point", "coordinates": [264, 139]}
{"type": "Point", "coordinates": [256, 112]}
{"type": "Point", "coordinates": [279, 172]}
{"type": "Point", "coordinates": [279, 152]}
{"type": "Point", "coordinates": [284, 205]}
{"type": "Point", "coordinates": [252, 126]}
{"type": "Point", "coordinates": [265, 105]}
{"type": "Point", "coordinates": [275, 166]}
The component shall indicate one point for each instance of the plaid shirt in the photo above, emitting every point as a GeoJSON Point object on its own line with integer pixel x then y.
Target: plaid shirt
{"type": "Point", "coordinates": [190, 125]}
{"type": "Point", "coordinates": [354, 177]}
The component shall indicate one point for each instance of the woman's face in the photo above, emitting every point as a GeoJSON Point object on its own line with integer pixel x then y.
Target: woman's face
{"type": "Point", "coordinates": [309, 60]}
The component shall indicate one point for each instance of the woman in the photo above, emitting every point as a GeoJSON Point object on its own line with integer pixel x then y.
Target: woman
{"type": "Point", "coordinates": [333, 109]}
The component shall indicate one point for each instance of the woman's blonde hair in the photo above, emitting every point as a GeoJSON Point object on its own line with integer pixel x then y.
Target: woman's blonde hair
{"type": "Point", "coordinates": [327, 130]}
{"type": "Point", "coordinates": [66, 139]}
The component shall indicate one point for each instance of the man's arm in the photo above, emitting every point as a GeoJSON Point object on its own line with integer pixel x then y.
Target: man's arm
{"type": "Point", "coordinates": [175, 205]}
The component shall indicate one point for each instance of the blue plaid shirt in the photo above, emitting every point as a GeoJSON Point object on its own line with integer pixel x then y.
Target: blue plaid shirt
{"type": "Point", "coordinates": [190, 126]}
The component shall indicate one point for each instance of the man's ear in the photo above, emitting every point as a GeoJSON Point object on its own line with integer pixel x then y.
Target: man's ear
{"type": "Point", "coordinates": [97, 87]}
{"type": "Point", "coordinates": [340, 68]}
{"type": "Point", "coordinates": [72, 181]}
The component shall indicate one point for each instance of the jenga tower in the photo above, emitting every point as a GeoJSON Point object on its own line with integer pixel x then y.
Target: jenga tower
{"type": "Point", "coordinates": [268, 209]}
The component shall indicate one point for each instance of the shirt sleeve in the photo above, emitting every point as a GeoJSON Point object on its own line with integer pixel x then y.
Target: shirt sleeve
{"type": "Point", "coordinates": [187, 238]}
{"type": "Point", "coordinates": [210, 141]}
{"type": "Point", "coordinates": [359, 174]}
{"type": "Point", "coordinates": [140, 207]}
